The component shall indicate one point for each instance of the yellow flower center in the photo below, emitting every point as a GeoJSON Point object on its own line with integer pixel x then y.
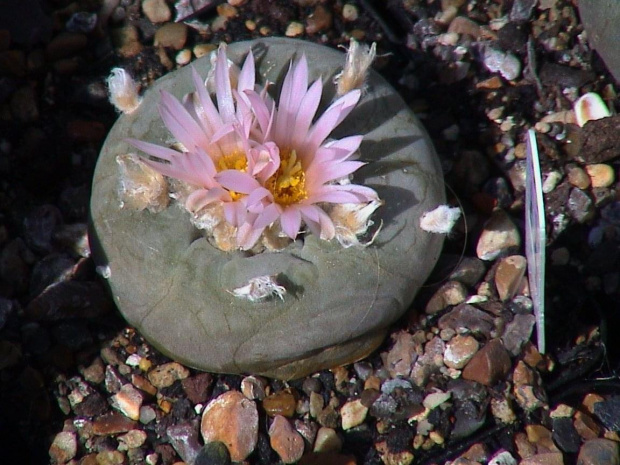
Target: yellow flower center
{"type": "Point", "coordinates": [288, 184]}
{"type": "Point", "coordinates": [233, 161]}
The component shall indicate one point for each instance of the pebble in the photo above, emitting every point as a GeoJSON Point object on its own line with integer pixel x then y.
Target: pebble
{"type": "Point", "coordinates": [64, 45]}
{"type": "Point", "coordinates": [183, 57]}
{"type": "Point", "coordinates": [503, 458]}
{"type": "Point", "coordinates": [185, 440]}
{"type": "Point", "coordinates": [127, 41]}
{"type": "Point", "coordinates": [231, 418]}
{"type": "Point", "coordinates": [319, 20]}
{"type": "Point", "coordinates": [467, 317]}
{"type": "Point", "coordinates": [172, 35]}
{"type": "Point", "coordinates": [546, 458]}
{"type": "Point", "coordinates": [285, 440]}
{"type": "Point", "coordinates": [353, 414]}
{"type": "Point", "coordinates": [165, 375]}
{"type": "Point", "coordinates": [509, 276]}
{"type": "Point", "coordinates": [590, 400]}
{"type": "Point", "coordinates": [449, 294]}
{"type": "Point", "coordinates": [128, 401]}
{"type": "Point", "coordinates": [502, 410]}
{"type": "Point", "coordinates": [253, 387]}
{"type": "Point", "coordinates": [601, 174]}
{"type": "Point", "coordinates": [197, 387]}
{"type": "Point", "coordinates": [498, 236]}
{"type": "Point", "coordinates": [464, 25]}
{"type": "Point", "coordinates": [110, 457]}
{"type": "Point", "coordinates": [213, 453]}
{"type": "Point", "coordinates": [580, 205]}
{"type": "Point", "coordinates": [294, 29]}
{"type": "Point", "coordinates": [157, 11]}
{"type": "Point", "coordinates": [147, 414]}
{"type": "Point", "coordinates": [132, 439]}
{"type": "Point", "coordinates": [63, 448]}
{"type": "Point", "coordinates": [518, 332]}
{"type": "Point", "coordinates": [327, 440]}
{"type": "Point", "coordinates": [599, 451]}
{"type": "Point", "coordinates": [349, 12]}
{"type": "Point", "coordinates": [608, 412]}
{"type": "Point", "coordinates": [489, 365]}
{"type": "Point", "coordinates": [280, 403]}
{"type": "Point", "coordinates": [112, 423]}
{"type": "Point", "coordinates": [506, 63]}
{"type": "Point", "coordinates": [468, 271]}
{"type": "Point", "coordinates": [400, 358]}
{"type": "Point", "coordinates": [577, 177]}
{"type": "Point", "coordinates": [459, 351]}
{"type": "Point", "coordinates": [565, 435]}
{"type": "Point", "coordinates": [227, 10]}
{"type": "Point", "coordinates": [585, 425]}
{"type": "Point", "coordinates": [82, 21]}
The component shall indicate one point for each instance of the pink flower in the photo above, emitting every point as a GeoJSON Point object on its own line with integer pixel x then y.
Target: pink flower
{"type": "Point", "coordinates": [311, 172]}
{"type": "Point", "coordinates": [258, 164]}
{"type": "Point", "coordinates": [213, 139]}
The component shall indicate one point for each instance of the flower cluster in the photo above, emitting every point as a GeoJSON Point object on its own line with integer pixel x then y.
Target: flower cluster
{"type": "Point", "coordinates": [253, 172]}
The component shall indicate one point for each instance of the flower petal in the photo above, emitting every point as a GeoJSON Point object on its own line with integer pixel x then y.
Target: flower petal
{"type": "Point", "coordinates": [223, 91]}
{"type": "Point", "coordinates": [237, 181]}
{"type": "Point", "coordinates": [319, 174]}
{"type": "Point", "coordinates": [290, 220]}
{"type": "Point", "coordinates": [202, 197]}
{"type": "Point", "coordinates": [268, 216]}
{"type": "Point", "coordinates": [305, 114]}
{"type": "Point", "coordinates": [180, 123]}
{"type": "Point", "coordinates": [247, 76]}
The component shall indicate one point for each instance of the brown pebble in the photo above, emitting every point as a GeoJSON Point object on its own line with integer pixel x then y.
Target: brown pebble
{"type": "Point", "coordinates": [143, 384]}
{"type": "Point", "coordinates": [585, 426]}
{"type": "Point", "coordinates": [590, 400]}
{"type": "Point", "coordinates": [64, 45]}
{"type": "Point", "coordinates": [165, 375]}
{"type": "Point", "coordinates": [509, 276]}
{"type": "Point", "coordinates": [599, 451]}
{"type": "Point", "coordinates": [157, 11]}
{"type": "Point", "coordinates": [111, 457]}
{"type": "Point", "coordinates": [231, 418]}
{"type": "Point", "coordinates": [464, 25]}
{"type": "Point", "coordinates": [173, 35]}
{"type": "Point", "coordinates": [197, 387]}
{"type": "Point", "coordinates": [128, 400]}
{"type": "Point", "coordinates": [127, 41]}
{"type": "Point", "coordinates": [601, 174]}
{"type": "Point", "coordinates": [459, 351]}
{"type": "Point", "coordinates": [319, 20]}
{"type": "Point", "coordinates": [450, 293]}
{"type": "Point", "coordinates": [112, 423]}
{"type": "Point", "coordinates": [546, 458]}
{"type": "Point", "coordinates": [489, 365]}
{"type": "Point", "coordinates": [280, 403]}
{"type": "Point", "coordinates": [499, 234]}
{"type": "Point", "coordinates": [287, 442]}
{"type": "Point", "coordinates": [63, 448]}
{"type": "Point", "coordinates": [577, 177]}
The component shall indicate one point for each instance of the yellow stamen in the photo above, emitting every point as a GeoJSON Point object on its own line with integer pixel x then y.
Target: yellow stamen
{"type": "Point", "coordinates": [288, 184]}
{"type": "Point", "coordinates": [233, 161]}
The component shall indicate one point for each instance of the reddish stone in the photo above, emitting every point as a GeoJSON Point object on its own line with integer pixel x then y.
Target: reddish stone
{"type": "Point", "coordinates": [113, 423]}
{"type": "Point", "coordinates": [489, 365]}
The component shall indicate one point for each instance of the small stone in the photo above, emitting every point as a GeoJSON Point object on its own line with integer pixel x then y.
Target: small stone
{"type": "Point", "coordinates": [294, 29]}
{"type": "Point", "coordinates": [172, 35]}
{"type": "Point", "coordinates": [608, 412]}
{"type": "Point", "coordinates": [502, 410]}
{"type": "Point", "coordinates": [128, 401]}
{"type": "Point", "coordinates": [143, 384]}
{"type": "Point", "coordinates": [577, 177]}
{"type": "Point", "coordinates": [449, 294]}
{"type": "Point", "coordinates": [546, 458]}
{"type": "Point", "coordinates": [498, 236]}
{"type": "Point", "coordinates": [201, 50]}
{"type": "Point", "coordinates": [599, 451]}
{"type": "Point", "coordinates": [184, 439]}
{"type": "Point", "coordinates": [400, 358]}
{"type": "Point", "coordinates": [459, 351]}
{"type": "Point", "coordinates": [127, 41]}
{"type": "Point", "coordinates": [112, 423]}
{"type": "Point", "coordinates": [132, 439]}
{"type": "Point", "coordinates": [95, 372]}
{"type": "Point", "coordinates": [280, 403]}
{"type": "Point", "coordinates": [63, 448]}
{"type": "Point", "coordinates": [469, 318]}
{"type": "Point", "coordinates": [469, 271]}
{"type": "Point", "coordinates": [565, 435]}
{"type": "Point", "coordinates": [197, 387]}
{"type": "Point", "coordinates": [65, 44]}
{"type": "Point", "coordinates": [489, 365]}
{"type": "Point", "coordinates": [601, 174]}
{"type": "Point", "coordinates": [590, 400]}
{"type": "Point", "coordinates": [253, 387]}
{"type": "Point", "coordinates": [509, 276]}
{"type": "Point", "coordinates": [319, 20]}
{"type": "Point", "coordinates": [327, 441]}
{"type": "Point", "coordinates": [231, 418]}
{"type": "Point", "coordinates": [147, 414]}
{"type": "Point", "coordinates": [316, 404]}
{"type": "Point", "coordinates": [110, 457]}
{"type": "Point", "coordinates": [285, 440]}
{"type": "Point", "coordinates": [183, 57]}
{"type": "Point", "coordinates": [213, 453]}
{"type": "Point", "coordinates": [349, 12]}
{"type": "Point", "coordinates": [157, 11]}
{"type": "Point", "coordinates": [518, 332]}
{"type": "Point", "coordinates": [580, 205]}
{"type": "Point", "coordinates": [506, 63]}
{"type": "Point", "coordinates": [585, 425]}
{"type": "Point", "coordinates": [464, 25]}
{"type": "Point", "coordinates": [165, 375]}
{"type": "Point", "coordinates": [353, 414]}
{"type": "Point", "coordinates": [227, 10]}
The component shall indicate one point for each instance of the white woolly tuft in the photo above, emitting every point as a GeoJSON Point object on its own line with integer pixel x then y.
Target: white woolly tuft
{"type": "Point", "coordinates": [358, 61]}
{"type": "Point", "coordinates": [123, 91]}
{"type": "Point", "coordinates": [260, 288]}
{"type": "Point", "coordinates": [441, 220]}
